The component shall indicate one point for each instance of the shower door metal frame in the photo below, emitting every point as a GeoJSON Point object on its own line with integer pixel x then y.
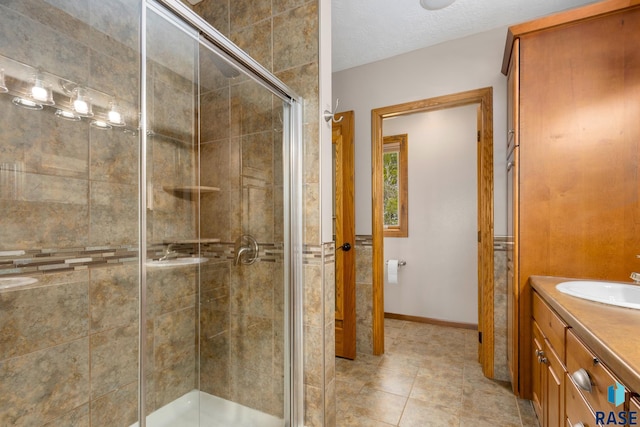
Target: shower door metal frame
{"type": "Point", "coordinates": [292, 189]}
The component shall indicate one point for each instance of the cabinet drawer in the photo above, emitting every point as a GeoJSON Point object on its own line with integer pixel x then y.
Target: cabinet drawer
{"type": "Point", "coordinates": [551, 325]}
{"type": "Point", "coordinates": [579, 357]}
{"type": "Point", "coordinates": [634, 406]}
{"type": "Point", "coordinates": [576, 408]}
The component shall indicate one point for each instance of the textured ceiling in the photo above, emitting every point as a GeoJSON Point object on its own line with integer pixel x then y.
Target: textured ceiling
{"type": "Point", "coordinates": [365, 31]}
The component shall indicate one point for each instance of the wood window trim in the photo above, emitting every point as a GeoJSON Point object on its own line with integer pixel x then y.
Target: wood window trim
{"type": "Point", "coordinates": [401, 230]}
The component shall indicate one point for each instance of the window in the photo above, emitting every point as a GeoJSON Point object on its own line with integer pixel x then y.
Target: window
{"type": "Point", "coordinates": [395, 185]}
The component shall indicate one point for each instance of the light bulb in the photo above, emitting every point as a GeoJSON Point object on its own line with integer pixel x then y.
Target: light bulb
{"type": "Point", "coordinates": [81, 106]}
{"type": "Point", "coordinates": [3, 85]}
{"type": "Point", "coordinates": [82, 103]}
{"type": "Point", "coordinates": [40, 92]}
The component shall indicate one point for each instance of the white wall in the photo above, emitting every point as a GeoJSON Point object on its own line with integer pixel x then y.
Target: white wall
{"type": "Point", "coordinates": [469, 63]}
{"type": "Point", "coordinates": [440, 280]}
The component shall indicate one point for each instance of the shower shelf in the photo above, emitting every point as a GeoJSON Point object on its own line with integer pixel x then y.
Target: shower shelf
{"type": "Point", "coordinates": [190, 189]}
{"type": "Point", "coordinates": [201, 240]}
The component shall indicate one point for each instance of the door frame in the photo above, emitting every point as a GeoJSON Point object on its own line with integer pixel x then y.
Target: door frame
{"type": "Point", "coordinates": [484, 98]}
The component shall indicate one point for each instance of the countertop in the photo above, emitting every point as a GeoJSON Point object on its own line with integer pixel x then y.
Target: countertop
{"type": "Point", "coordinates": [612, 333]}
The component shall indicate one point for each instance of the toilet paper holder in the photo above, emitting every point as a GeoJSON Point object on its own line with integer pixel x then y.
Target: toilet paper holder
{"type": "Point", "coordinates": [400, 263]}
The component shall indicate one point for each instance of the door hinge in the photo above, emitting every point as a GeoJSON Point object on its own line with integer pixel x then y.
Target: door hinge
{"type": "Point", "coordinates": [479, 236]}
{"type": "Point", "coordinates": [480, 337]}
{"type": "Point", "coordinates": [478, 136]}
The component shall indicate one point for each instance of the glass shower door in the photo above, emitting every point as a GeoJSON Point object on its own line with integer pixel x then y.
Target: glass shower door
{"type": "Point", "coordinates": [215, 351]}
{"type": "Point", "coordinates": [170, 285]}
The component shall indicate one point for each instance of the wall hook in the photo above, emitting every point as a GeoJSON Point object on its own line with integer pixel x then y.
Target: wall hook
{"type": "Point", "coordinates": [328, 115]}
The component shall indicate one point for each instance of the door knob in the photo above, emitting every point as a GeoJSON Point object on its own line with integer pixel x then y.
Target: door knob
{"type": "Point", "coordinates": [345, 247]}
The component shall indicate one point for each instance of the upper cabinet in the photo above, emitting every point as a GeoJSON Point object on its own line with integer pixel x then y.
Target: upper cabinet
{"type": "Point", "coordinates": [574, 151]}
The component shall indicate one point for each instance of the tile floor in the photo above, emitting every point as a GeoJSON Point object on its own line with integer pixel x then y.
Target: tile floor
{"type": "Point", "coordinates": [428, 376]}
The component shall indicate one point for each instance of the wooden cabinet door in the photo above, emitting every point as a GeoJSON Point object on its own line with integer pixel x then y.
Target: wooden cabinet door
{"type": "Point", "coordinates": [512, 268]}
{"type": "Point", "coordinates": [513, 82]}
{"type": "Point", "coordinates": [537, 374]}
{"type": "Point", "coordinates": [554, 390]}
{"type": "Point", "coordinates": [513, 287]}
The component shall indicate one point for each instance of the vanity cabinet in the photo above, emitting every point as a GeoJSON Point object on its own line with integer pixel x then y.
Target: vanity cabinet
{"type": "Point", "coordinates": [573, 151]}
{"type": "Point", "coordinates": [570, 383]}
{"type": "Point", "coordinates": [548, 371]}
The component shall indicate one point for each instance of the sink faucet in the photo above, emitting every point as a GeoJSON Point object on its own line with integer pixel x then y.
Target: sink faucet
{"type": "Point", "coordinates": [169, 252]}
{"type": "Point", "coordinates": [635, 276]}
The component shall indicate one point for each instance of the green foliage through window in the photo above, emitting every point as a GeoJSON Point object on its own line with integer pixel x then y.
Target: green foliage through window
{"type": "Point", "coordinates": [390, 179]}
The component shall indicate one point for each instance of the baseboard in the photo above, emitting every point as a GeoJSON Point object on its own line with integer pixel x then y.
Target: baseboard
{"type": "Point", "coordinates": [431, 321]}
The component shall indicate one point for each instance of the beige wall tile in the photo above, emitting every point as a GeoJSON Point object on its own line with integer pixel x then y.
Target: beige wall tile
{"type": "Point", "coordinates": [120, 407]}
{"type": "Point", "coordinates": [313, 406]}
{"type": "Point", "coordinates": [255, 39]}
{"type": "Point", "coordinates": [314, 356]}
{"type": "Point", "coordinates": [214, 126]}
{"type": "Point", "coordinates": [295, 37]}
{"type": "Point", "coordinates": [247, 12]}
{"type": "Point", "coordinates": [170, 289]}
{"type": "Point", "coordinates": [114, 213]}
{"type": "Point", "coordinates": [45, 384]}
{"type": "Point", "coordinates": [78, 417]}
{"type": "Point", "coordinates": [113, 297]}
{"type": "Point", "coordinates": [215, 12]}
{"type": "Point", "coordinates": [174, 355]}
{"type": "Point", "coordinates": [114, 359]}
{"type": "Point", "coordinates": [33, 319]}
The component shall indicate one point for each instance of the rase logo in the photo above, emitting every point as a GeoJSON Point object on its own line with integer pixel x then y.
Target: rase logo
{"type": "Point", "coordinates": [616, 396]}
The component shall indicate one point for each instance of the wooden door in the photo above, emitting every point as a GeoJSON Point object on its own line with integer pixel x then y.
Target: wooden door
{"type": "Point", "coordinates": [345, 235]}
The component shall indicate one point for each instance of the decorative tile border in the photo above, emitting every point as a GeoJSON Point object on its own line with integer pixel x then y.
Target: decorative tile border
{"type": "Point", "coordinates": [44, 261]}
{"type": "Point", "coordinates": [364, 240]}
{"type": "Point", "coordinates": [55, 260]}
{"type": "Point", "coordinates": [500, 243]}
{"type": "Point", "coordinates": [319, 254]}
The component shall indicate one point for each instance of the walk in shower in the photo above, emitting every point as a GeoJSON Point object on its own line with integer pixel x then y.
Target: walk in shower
{"type": "Point", "coordinates": [150, 224]}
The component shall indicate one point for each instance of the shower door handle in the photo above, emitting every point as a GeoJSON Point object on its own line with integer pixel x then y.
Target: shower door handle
{"type": "Point", "coordinates": [246, 250]}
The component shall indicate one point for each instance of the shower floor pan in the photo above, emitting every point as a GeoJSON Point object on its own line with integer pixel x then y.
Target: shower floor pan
{"type": "Point", "coordinates": [213, 412]}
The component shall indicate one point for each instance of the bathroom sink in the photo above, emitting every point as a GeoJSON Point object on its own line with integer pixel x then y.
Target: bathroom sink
{"type": "Point", "coordinates": [15, 282]}
{"type": "Point", "coordinates": [177, 262]}
{"type": "Point", "coordinates": [620, 294]}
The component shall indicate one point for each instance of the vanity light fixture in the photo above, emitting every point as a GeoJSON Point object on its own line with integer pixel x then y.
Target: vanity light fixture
{"type": "Point", "coordinates": [41, 92]}
{"type": "Point", "coordinates": [81, 102]}
{"type": "Point", "coordinates": [3, 84]}
{"type": "Point", "coordinates": [435, 4]}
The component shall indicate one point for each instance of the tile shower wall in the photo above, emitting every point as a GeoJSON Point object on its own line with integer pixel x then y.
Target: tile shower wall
{"type": "Point", "coordinates": [68, 191]}
{"type": "Point", "coordinates": [283, 36]}
{"type": "Point", "coordinates": [364, 294]}
{"type": "Point", "coordinates": [500, 366]}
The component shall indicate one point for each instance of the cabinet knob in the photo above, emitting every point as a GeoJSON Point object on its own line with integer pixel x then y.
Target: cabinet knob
{"type": "Point", "coordinates": [582, 379]}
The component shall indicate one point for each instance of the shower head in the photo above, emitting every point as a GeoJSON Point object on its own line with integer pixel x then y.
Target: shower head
{"type": "Point", "coordinates": [227, 69]}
